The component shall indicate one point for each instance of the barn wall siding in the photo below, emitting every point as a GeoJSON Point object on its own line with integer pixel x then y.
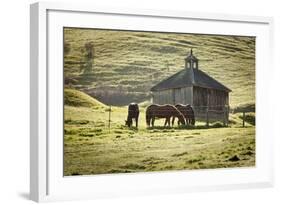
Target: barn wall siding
{"type": "Point", "coordinates": [201, 99]}
{"type": "Point", "coordinates": [173, 96]}
{"type": "Point", "coordinates": [215, 101]}
{"type": "Point", "coordinates": [188, 95]}
{"type": "Point", "coordinates": [163, 97]}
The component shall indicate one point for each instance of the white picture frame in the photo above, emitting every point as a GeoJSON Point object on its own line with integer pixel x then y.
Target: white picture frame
{"type": "Point", "coordinates": [46, 178]}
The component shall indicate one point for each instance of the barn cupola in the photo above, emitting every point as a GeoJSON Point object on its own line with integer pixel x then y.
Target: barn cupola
{"type": "Point", "coordinates": [191, 62]}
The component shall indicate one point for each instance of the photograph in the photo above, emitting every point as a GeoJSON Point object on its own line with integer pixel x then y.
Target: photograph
{"type": "Point", "coordinates": [150, 101]}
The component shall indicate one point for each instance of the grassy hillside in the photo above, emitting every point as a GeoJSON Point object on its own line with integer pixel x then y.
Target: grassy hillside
{"type": "Point", "coordinates": [128, 64]}
{"type": "Point", "coordinates": [125, 67]}
{"type": "Point", "coordinates": [77, 98]}
{"type": "Point", "coordinates": [92, 147]}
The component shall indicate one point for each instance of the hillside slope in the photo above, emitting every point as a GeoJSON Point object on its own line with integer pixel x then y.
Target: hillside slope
{"type": "Point", "coordinates": [132, 62]}
{"type": "Point", "coordinates": [77, 98]}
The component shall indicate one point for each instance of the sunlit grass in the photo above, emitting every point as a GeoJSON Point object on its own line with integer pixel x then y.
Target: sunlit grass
{"type": "Point", "coordinates": [92, 147]}
{"type": "Point", "coordinates": [132, 62]}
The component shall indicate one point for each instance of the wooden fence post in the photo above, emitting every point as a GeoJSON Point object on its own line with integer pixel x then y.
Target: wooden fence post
{"type": "Point", "coordinates": [207, 117]}
{"type": "Point", "coordinates": [227, 115]}
{"type": "Point", "coordinates": [109, 117]}
{"type": "Point", "coordinates": [224, 116]}
{"type": "Point", "coordinates": [243, 118]}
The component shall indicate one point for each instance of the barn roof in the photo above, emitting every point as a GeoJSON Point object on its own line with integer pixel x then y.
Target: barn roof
{"type": "Point", "coordinates": [188, 78]}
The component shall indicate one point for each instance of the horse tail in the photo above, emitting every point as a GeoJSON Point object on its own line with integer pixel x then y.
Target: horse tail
{"type": "Point", "coordinates": [147, 119]}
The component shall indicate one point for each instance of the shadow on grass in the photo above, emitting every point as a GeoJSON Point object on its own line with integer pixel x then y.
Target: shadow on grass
{"type": "Point", "coordinates": [189, 127]}
{"type": "Point", "coordinates": [132, 128]}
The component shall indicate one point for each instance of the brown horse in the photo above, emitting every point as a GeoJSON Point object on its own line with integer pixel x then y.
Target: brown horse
{"type": "Point", "coordinates": [162, 111]}
{"type": "Point", "coordinates": [133, 112]}
{"type": "Point", "coordinates": [187, 112]}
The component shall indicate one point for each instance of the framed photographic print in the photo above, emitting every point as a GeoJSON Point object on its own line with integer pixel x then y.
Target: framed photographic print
{"type": "Point", "coordinates": [127, 102]}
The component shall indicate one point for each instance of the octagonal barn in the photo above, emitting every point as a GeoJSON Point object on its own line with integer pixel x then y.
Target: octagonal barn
{"type": "Point", "coordinates": [208, 97]}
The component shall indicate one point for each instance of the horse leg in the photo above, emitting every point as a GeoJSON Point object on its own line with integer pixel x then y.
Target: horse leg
{"type": "Point", "coordinates": [168, 120]}
{"type": "Point", "coordinates": [152, 121]}
{"type": "Point", "coordinates": [165, 122]}
{"type": "Point", "coordinates": [173, 120]}
{"type": "Point", "coordinates": [186, 118]}
{"type": "Point", "coordinates": [137, 119]}
{"type": "Point", "coordinates": [192, 120]}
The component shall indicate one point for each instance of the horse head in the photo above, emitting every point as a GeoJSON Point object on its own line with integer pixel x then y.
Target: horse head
{"type": "Point", "coordinates": [181, 119]}
{"type": "Point", "coordinates": [128, 122]}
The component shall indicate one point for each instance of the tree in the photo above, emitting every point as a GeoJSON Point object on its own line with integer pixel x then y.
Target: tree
{"type": "Point", "coordinates": [87, 58]}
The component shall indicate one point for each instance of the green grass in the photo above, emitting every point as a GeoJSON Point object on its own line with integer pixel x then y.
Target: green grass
{"type": "Point", "coordinates": [130, 63]}
{"type": "Point", "coordinates": [90, 147]}
{"type": "Point", "coordinates": [126, 66]}
{"type": "Point", "coordinates": [76, 98]}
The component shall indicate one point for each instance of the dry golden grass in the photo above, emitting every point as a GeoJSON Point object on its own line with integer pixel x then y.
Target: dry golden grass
{"type": "Point", "coordinates": [90, 147]}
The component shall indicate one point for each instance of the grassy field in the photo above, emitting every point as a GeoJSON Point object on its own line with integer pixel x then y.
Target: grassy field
{"type": "Point", "coordinates": [90, 147]}
{"type": "Point", "coordinates": [128, 64]}
{"type": "Point", "coordinates": [125, 66]}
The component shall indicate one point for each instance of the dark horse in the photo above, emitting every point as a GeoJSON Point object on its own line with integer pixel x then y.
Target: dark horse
{"type": "Point", "coordinates": [162, 111]}
{"type": "Point", "coordinates": [133, 112]}
{"type": "Point", "coordinates": [187, 112]}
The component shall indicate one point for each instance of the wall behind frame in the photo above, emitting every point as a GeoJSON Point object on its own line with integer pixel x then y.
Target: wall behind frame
{"type": "Point", "coordinates": [14, 104]}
